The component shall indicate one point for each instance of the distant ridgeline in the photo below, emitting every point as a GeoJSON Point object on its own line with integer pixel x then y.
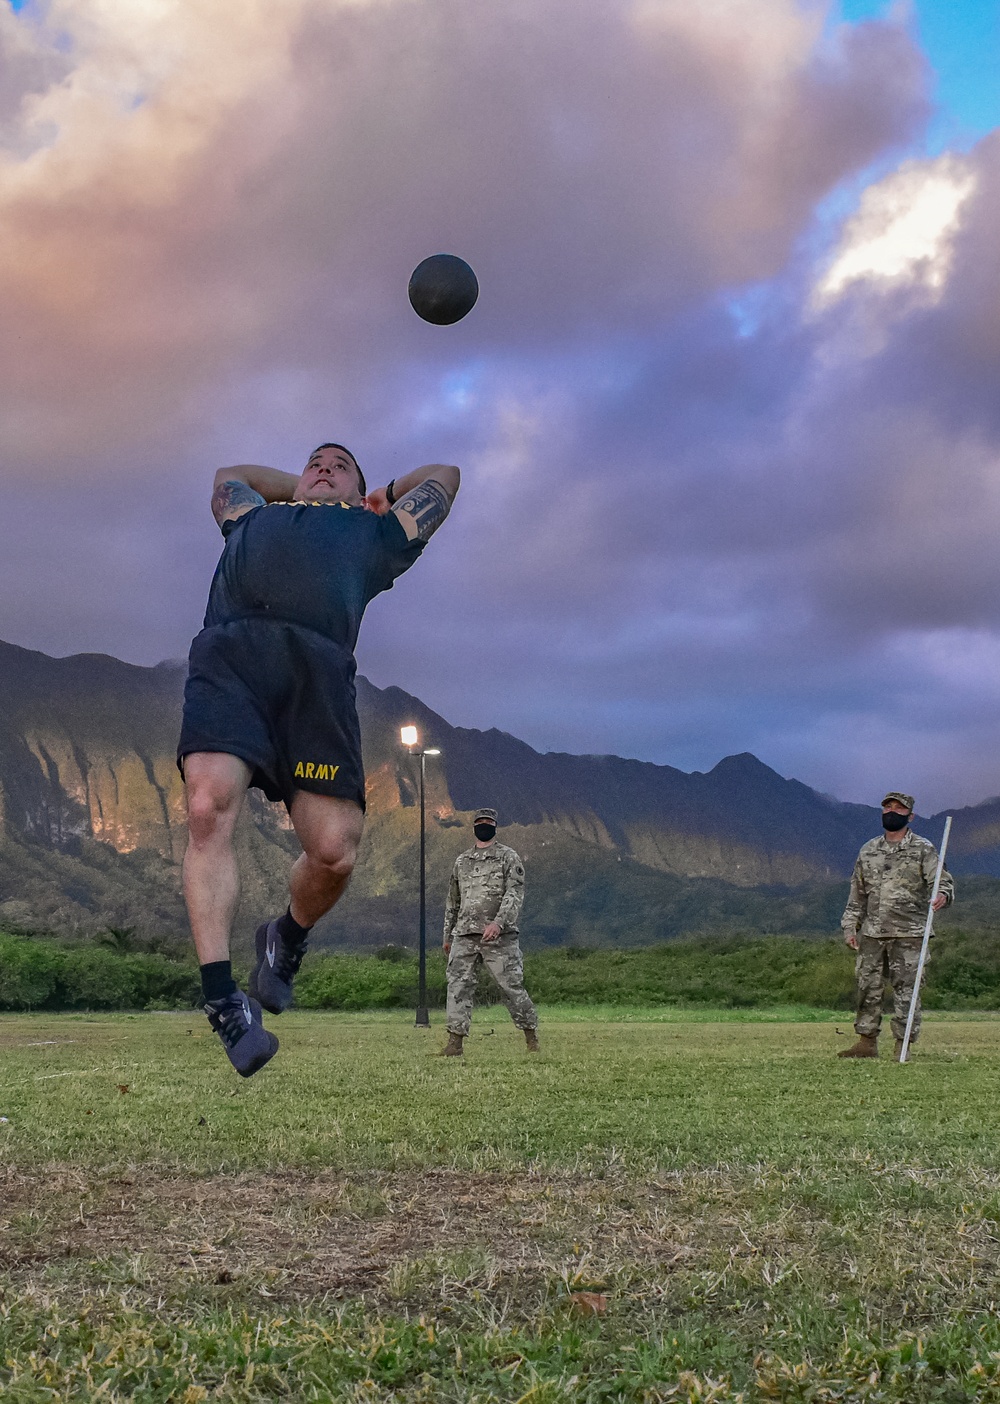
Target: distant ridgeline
{"type": "Point", "coordinates": [618, 852]}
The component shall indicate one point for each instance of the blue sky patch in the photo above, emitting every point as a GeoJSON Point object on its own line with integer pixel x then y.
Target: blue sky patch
{"type": "Point", "coordinates": [961, 39]}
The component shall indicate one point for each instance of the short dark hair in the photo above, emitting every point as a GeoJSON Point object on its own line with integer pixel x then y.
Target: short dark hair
{"type": "Point", "coordinates": [361, 477]}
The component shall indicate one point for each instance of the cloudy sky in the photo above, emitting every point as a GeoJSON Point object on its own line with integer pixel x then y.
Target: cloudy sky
{"type": "Point", "coordinates": [727, 409]}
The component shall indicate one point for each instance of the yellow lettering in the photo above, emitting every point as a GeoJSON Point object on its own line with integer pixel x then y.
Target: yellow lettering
{"type": "Point", "coordinates": [313, 770]}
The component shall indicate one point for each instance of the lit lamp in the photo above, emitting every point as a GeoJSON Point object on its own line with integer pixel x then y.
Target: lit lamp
{"type": "Point", "coordinates": [410, 738]}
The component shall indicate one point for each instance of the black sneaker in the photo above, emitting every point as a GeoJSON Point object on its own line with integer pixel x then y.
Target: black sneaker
{"type": "Point", "coordinates": [278, 964]}
{"type": "Point", "coordinates": [237, 1021]}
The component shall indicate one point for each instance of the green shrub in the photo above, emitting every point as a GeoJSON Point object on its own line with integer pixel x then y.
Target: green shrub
{"type": "Point", "coordinates": [722, 972]}
{"type": "Point", "coordinates": [160, 982]}
{"type": "Point", "coordinates": [28, 973]}
{"type": "Point", "coordinates": [360, 982]}
{"type": "Point", "coordinates": [730, 972]}
{"type": "Point", "coordinates": [46, 975]}
{"type": "Point", "coordinates": [95, 977]}
{"type": "Point", "coordinates": [395, 955]}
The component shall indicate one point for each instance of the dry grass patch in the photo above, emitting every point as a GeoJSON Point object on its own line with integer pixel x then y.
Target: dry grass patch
{"type": "Point", "coordinates": [304, 1236]}
{"type": "Point", "coordinates": [906, 1241]}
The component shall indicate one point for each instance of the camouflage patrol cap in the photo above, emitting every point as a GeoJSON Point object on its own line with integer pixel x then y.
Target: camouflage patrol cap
{"type": "Point", "coordinates": [900, 798]}
{"type": "Point", "coordinates": [488, 816]}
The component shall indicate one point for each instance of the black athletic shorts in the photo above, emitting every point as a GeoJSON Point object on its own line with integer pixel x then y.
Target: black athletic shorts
{"type": "Point", "coordinates": [282, 698]}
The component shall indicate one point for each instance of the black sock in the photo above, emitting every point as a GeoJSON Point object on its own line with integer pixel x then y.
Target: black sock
{"type": "Point", "coordinates": [217, 979]}
{"type": "Point", "coordinates": [289, 930]}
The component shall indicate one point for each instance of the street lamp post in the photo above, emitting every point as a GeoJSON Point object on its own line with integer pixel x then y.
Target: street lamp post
{"type": "Point", "coordinates": [411, 739]}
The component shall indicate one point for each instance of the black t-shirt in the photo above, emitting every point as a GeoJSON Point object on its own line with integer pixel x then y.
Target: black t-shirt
{"type": "Point", "coordinates": [312, 563]}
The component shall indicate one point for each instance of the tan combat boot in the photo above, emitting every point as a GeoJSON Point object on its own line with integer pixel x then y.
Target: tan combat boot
{"type": "Point", "coordinates": [453, 1048]}
{"type": "Point", "coordinates": [866, 1047]}
{"type": "Point", "coordinates": [531, 1039]}
{"type": "Point", "coordinates": [899, 1049]}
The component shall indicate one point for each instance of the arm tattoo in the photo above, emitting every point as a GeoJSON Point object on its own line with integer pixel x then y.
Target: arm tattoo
{"type": "Point", "coordinates": [231, 500]}
{"type": "Point", "coordinates": [428, 505]}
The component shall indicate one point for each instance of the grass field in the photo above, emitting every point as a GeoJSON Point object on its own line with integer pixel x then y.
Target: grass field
{"type": "Point", "coordinates": [665, 1207]}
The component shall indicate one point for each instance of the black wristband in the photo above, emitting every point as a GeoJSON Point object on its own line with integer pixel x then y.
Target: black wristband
{"type": "Point", "coordinates": [388, 492]}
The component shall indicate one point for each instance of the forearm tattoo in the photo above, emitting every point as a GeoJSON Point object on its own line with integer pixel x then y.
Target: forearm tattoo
{"type": "Point", "coordinates": [232, 499]}
{"type": "Point", "coordinates": [428, 505]}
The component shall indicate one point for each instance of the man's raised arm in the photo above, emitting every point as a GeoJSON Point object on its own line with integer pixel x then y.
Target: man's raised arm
{"type": "Point", "coordinates": [421, 499]}
{"type": "Point", "coordinates": [238, 490]}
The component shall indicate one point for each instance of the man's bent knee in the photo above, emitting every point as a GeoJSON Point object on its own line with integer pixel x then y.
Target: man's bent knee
{"type": "Point", "coordinates": [336, 857]}
{"type": "Point", "coordinates": [215, 793]}
{"type": "Point", "coordinates": [329, 830]}
{"type": "Point", "coordinates": [211, 816]}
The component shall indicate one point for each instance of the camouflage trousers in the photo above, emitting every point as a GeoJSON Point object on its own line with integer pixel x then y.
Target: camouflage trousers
{"type": "Point", "coordinates": [502, 959]}
{"type": "Point", "coordinates": [875, 960]}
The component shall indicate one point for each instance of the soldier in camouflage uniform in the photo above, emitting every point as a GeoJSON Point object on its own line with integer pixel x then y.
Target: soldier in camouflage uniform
{"type": "Point", "coordinates": [884, 922]}
{"type": "Point", "coordinates": [480, 928]}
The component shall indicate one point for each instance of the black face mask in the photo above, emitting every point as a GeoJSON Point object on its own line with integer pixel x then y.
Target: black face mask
{"type": "Point", "coordinates": [484, 832]}
{"type": "Point", "coordinates": [894, 822]}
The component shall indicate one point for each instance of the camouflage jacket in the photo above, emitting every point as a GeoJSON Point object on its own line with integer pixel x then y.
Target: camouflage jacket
{"type": "Point", "coordinates": [487, 884]}
{"type": "Point", "coordinates": [891, 887]}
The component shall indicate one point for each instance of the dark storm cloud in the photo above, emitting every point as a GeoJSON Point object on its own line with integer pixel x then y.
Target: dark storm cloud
{"type": "Point", "coordinates": [675, 539]}
{"type": "Point", "coordinates": [231, 203]}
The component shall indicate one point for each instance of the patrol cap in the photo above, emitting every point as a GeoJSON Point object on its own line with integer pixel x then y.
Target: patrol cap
{"type": "Point", "coordinates": [488, 816]}
{"type": "Point", "coordinates": [900, 798]}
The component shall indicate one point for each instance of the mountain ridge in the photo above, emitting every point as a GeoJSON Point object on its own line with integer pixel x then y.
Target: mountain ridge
{"type": "Point", "coordinates": [92, 821]}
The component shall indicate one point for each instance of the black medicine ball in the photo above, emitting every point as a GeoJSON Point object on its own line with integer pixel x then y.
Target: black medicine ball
{"type": "Point", "coordinates": [443, 289]}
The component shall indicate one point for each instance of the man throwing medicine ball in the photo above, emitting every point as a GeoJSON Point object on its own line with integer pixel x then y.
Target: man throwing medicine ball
{"type": "Point", "coordinates": [480, 928]}
{"type": "Point", "coordinates": [884, 921]}
{"type": "Point", "coordinates": [270, 702]}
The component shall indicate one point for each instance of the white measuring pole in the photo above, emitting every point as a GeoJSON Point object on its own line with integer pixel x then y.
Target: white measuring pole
{"type": "Point", "coordinates": [904, 1051]}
